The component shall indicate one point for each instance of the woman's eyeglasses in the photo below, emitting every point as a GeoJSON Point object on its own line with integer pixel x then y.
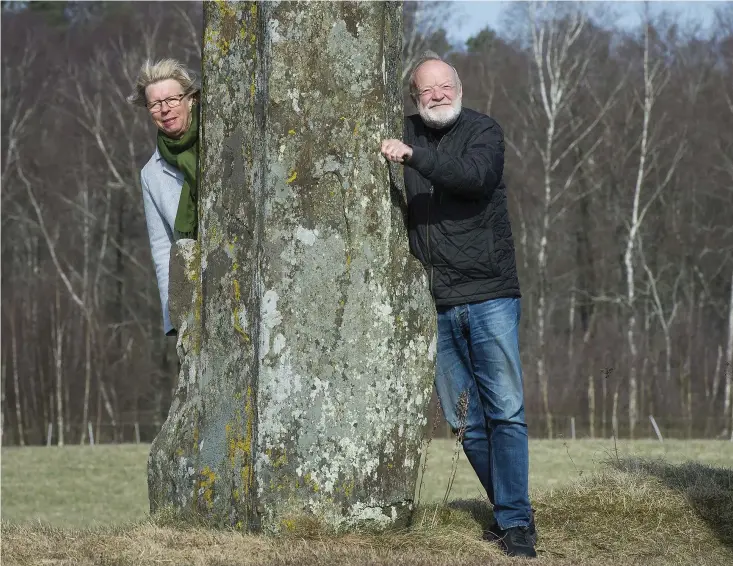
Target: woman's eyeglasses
{"type": "Point", "coordinates": [172, 102]}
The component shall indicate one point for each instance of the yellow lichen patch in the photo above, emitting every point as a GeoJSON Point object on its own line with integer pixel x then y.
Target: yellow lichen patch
{"type": "Point", "coordinates": [288, 524]}
{"type": "Point", "coordinates": [293, 176]}
{"type": "Point", "coordinates": [238, 445]}
{"type": "Point", "coordinates": [278, 459]}
{"type": "Point", "coordinates": [225, 8]}
{"type": "Point", "coordinates": [246, 477]}
{"type": "Point", "coordinates": [238, 326]}
{"type": "Point", "coordinates": [356, 128]}
{"type": "Point", "coordinates": [291, 132]}
{"type": "Point", "coordinates": [205, 485]}
{"type": "Point", "coordinates": [211, 36]}
{"type": "Point", "coordinates": [308, 479]}
{"type": "Point", "coordinates": [237, 294]}
{"type": "Point", "coordinates": [253, 10]}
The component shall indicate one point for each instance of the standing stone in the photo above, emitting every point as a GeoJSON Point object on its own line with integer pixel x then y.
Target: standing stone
{"type": "Point", "coordinates": [308, 341]}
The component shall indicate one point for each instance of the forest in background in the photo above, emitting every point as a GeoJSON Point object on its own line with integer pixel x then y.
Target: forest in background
{"type": "Point", "coordinates": [619, 168]}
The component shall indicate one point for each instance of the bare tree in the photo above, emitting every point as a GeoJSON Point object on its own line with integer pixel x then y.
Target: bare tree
{"type": "Point", "coordinates": [58, 329]}
{"type": "Point", "coordinates": [560, 66]}
{"type": "Point", "coordinates": [422, 22]}
{"type": "Point", "coordinates": [655, 78]}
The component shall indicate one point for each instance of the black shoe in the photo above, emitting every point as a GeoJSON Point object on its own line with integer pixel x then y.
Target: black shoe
{"type": "Point", "coordinates": [495, 534]}
{"type": "Point", "coordinates": [518, 541]}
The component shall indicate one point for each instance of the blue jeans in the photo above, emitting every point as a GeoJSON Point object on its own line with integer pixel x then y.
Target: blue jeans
{"type": "Point", "coordinates": [480, 387]}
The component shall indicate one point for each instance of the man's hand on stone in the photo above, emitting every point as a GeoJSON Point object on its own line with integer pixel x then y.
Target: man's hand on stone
{"type": "Point", "coordinates": [395, 150]}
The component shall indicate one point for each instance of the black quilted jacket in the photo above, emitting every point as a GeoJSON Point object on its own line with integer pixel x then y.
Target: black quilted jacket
{"type": "Point", "coordinates": [457, 208]}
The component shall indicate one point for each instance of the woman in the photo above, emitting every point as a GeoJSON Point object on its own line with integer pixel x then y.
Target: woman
{"type": "Point", "coordinates": [169, 180]}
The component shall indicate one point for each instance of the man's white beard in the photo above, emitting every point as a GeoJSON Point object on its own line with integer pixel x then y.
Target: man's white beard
{"type": "Point", "coordinates": [441, 116]}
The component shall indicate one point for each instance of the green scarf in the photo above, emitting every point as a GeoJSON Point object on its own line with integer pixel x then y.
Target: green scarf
{"type": "Point", "coordinates": [183, 155]}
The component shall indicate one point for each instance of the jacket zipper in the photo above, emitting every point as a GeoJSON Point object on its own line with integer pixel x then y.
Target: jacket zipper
{"type": "Point", "coordinates": [430, 253]}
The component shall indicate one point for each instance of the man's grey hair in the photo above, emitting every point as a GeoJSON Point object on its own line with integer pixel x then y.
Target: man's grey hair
{"type": "Point", "coordinates": [164, 69]}
{"type": "Point", "coordinates": [426, 56]}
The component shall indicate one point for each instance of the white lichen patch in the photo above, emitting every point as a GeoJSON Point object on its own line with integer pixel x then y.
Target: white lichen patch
{"type": "Point", "coordinates": [279, 386]}
{"type": "Point", "coordinates": [308, 237]}
{"type": "Point", "coordinates": [278, 344]}
{"type": "Point", "coordinates": [360, 512]}
{"type": "Point", "coordinates": [272, 31]}
{"type": "Point", "coordinates": [294, 97]}
{"type": "Point", "coordinates": [270, 317]}
{"type": "Point", "coordinates": [242, 317]}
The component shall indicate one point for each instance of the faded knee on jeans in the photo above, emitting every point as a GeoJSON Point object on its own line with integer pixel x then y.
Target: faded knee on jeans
{"type": "Point", "coordinates": [511, 412]}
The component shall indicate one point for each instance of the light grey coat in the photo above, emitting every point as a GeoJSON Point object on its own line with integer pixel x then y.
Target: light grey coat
{"type": "Point", "coordinates": [161, 184]}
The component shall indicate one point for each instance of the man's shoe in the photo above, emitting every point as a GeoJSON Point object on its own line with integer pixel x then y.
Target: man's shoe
{"type": "Point", "coordinates": [518, 541]}
{"type": "Point", "coordinates": [495, 534]}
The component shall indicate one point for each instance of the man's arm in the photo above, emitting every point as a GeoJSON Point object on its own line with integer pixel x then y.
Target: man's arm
{"type": "Point", "coordinates": [480, 167]}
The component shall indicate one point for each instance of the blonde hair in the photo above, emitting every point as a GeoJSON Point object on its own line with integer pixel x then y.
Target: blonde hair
{"type": "Point", "coordinates": [164, 69]}
{"type": "Point", "coordinates": [426, 56]}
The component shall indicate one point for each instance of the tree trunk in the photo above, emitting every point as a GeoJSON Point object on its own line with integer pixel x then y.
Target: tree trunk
{"type": "Point", "coordinates": [604, 407]}
{"type": "Point", "coordinates": [16, 382]}
{"type": "Point", "coordinates": [571, 328]}
{"type": "Point", "coordinates": [541, 315]}
{"type": "Point", "coordinates": [3, 397]}
{"type": "Point", "coordinates": [592, 405]}
{"type": "Point", "coordinates": [729, 363]}
{"type": "Point", "coordinates": [58, 349]}
{"type": "Point", "coordinates": [614, 415]}
{"type": "Point", "coordinates": [87, 313]}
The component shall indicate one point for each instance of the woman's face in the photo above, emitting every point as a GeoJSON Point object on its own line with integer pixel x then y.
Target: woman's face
{"type": "Point", "coordinates": [169, 109]}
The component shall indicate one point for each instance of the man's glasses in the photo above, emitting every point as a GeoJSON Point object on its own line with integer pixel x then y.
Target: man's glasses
{"type": "Point", "coordinates": [172, 102]}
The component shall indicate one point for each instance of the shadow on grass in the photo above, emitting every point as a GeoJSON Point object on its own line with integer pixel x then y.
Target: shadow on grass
{"type": "Point", "coordinates": [708, 490]}
{"type": "Point", "coordinates": [479, 510]}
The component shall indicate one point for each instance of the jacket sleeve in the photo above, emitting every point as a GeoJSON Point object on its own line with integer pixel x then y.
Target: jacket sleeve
{"type": "Point", "coordinates": [478, 169]}
{"type": "Point", "coordinates": [160, 246]}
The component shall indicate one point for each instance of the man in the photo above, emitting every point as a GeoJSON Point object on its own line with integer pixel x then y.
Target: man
{"type": "Point", "coordinates": [459, 229]}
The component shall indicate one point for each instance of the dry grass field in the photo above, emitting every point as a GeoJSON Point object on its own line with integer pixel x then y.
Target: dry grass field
{"type": "Point", "coordinates": [662, 504]}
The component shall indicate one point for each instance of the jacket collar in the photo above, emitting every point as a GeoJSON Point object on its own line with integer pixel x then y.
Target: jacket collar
{"type": "Point", "coordinates": [167, 167]}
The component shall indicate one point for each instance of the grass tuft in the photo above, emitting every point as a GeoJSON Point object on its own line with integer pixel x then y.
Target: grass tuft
{"type": "Point", "coordinates": [706, 489]}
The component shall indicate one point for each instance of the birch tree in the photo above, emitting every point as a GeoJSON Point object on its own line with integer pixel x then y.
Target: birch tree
{"type": "Point", "coordinates": [655, 78]}
{"type": "Point", "coordinates": [559, 66]}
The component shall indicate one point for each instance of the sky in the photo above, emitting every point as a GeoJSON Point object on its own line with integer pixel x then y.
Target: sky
{"type": "Point", "coordinates": [474, 15]}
